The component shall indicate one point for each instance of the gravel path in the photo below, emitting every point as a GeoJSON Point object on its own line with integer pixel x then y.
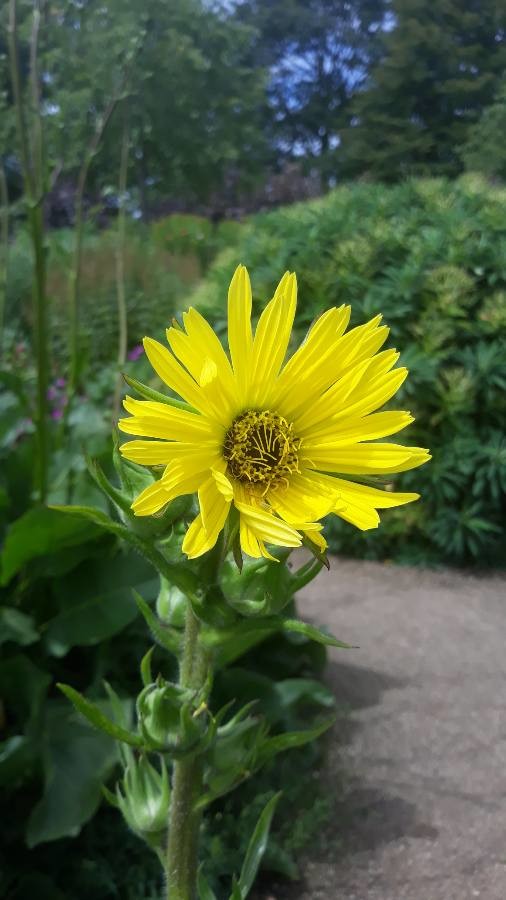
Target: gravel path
{"type": "Point", "coordinates": [423, 816]}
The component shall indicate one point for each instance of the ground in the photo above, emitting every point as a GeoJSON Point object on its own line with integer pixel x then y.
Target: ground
{"type": "Point", "coordinates": [423, 755]}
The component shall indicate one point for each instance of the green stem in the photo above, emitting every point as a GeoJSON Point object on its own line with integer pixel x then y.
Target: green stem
{"type": "Point", "coordinates": [120, 268]}
{"type": "Point", "coordinates": [33, 180]}
{"type": "Point", "coordinates": [184, 821]}
{"type": "Point", "coordinates": [75, 274]}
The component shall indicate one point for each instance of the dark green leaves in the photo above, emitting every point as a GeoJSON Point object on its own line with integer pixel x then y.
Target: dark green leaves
{"type": "Point", "coordinates": [16, 626]}
{"type": "Point", "coordinates": [104, 604]}
{"type": "Point", "coordinates": [76, 760]}
{"type": "Point", "coordinates": [293, 739]}
{"type": "Point", "coordinates": [40, 531]}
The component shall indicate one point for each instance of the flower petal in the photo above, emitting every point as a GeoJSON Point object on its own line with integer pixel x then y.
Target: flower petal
{"type": "Point", "coordinates": [367, 459]}
{"type": "Point", "coordinates": [159, 420]}
{"type": "Point", "coordinates": [173, 375]}
{"type": "Point", "coordinates": [156, 453]}
{"type": "Point", "coordinates": [361, 501]}
{"type": "Point", "coordinates": [205, 528]}
{"type": "Point", "coordinates": [267, 527]}
{"type": "Point", "coordinates": [272, 336]}
{"type": "Point", "coordinates": [303, 500]}
{"type": "Point", "coordinates": [240, 340]}
{"type": "Point", "coordinates": [349, 431]}
{"type": "Point", "coordinates": [151, 500]}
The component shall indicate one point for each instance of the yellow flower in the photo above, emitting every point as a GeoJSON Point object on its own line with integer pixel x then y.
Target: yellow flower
{"type": "Point", "coordinates": [266, 438]}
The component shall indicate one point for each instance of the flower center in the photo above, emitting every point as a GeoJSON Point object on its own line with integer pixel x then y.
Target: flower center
{"type": "Point", "coordinates": [260, 448]}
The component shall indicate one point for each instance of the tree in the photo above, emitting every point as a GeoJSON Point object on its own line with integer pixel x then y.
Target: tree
{"type": "Point", "coordinates": [318, 53]}
{"type": "Point", "coordinates": [441, 66]}
{"type": "Point", "coordinates": [484, 150]}
{"type": "Point", "coordinates": [194, 99]}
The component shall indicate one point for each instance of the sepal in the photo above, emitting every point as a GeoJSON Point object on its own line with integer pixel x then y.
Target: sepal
{"type": "Point", "coordinates": [96, 717]}
{"type": "Point", "coordinates": [143, 796]}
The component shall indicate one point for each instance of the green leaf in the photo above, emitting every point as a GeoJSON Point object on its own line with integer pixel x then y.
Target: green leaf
{"type": "Point", "coordinates": [150, 394]}
{"type": "Point", "coordinates": [257, 847]}
{"type": "Point", "coordinates": [76, 760]}
{"type": "Point", "coordinates": [294, 692]}
{"type": "Point", "coordinates": [38, 532]}
{"type": "Point", "coordinates": [96, 717]}
{"type": "Point", "coordinates": [318, 554]}
{"type": "Point", "coordinates": [236, 891]}
{"type": "Point", "coordinates": [274, 745]}
{"type": "Point", "coordinates": [23, 687]}
{"type": "Point", "coordinates": [204, 891]}
{"type": "Point", "coordinates": [231, 643]}
{"type": "Point", "coordinates": [179, 574]}
{"type": "Point", "coordinates": [103, 606]}
{"type": "Point", "coordinates": [16, 626]}
{"type": "Point", "coordinates": [17, 754]}
{"type": "Point", "coordinates": [167, 637]}
{"type": "Point", "coordinates": [116, 496]}
{"type": "Point", "coordinates": [146, 669]}
{"type": "Point", "coordinates": [310, 631]}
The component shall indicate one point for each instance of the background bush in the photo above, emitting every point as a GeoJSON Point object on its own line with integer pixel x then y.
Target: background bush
{"type": "Point", "coordinates": [431, 256]}
{"type": "Point", "coordinates": [162, 261]}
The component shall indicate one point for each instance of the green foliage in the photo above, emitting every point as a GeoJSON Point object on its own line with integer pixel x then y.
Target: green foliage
{"type": "Point", "coordinates": [318, 53]}
{"type": "Point", "coordinates": [195, 95]}
{"type": "Point", "coordinates": [483, 150]}
{"type": "Point", "coordinates": [162, 264]}
{"type": "Point", "coordinates": [440, 65]}
{"type": "Point", "coordinates": [68, 614]}
{"type": "Point", "coordinates": [429, 256]}
{"type": "Point", "coordinates": [194, 236]}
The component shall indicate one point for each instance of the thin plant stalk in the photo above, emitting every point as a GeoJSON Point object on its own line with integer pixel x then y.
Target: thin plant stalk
{"type": "Point", "coordinates": [75, 272]}
{"type": "Point", "coordinates": [4, 249]}
{"type": "Point", "coordinates": [120, 267]}
{"type": "Point", "coordinates": [33, 182]}
{"type": "Point", "coordinates": [184, 820]}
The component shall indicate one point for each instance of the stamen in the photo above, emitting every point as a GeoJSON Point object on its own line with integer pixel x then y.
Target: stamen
{"type": "Point", "coordinates": [261, 449]}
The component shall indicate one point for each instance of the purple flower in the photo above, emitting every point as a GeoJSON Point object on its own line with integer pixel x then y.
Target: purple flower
{"type": "Point", "coordinates": [57, 414]}
{"type": "Point", "coordinates": [135, 352]}
{"type": "Point", "coordinates": [60, 382]}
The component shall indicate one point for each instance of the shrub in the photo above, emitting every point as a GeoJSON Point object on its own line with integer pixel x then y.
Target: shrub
{"type": "Point", "coordinates": [431, 256]}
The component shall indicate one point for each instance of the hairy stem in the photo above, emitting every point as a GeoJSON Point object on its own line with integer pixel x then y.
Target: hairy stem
{"type": "Point", "coordinates": [184, 821]}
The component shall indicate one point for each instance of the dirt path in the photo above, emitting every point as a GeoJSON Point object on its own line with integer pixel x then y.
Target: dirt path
{"type": "Point", "coordinates": [424, 812]}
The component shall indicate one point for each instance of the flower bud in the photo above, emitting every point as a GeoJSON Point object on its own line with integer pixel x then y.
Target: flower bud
{"type": "Point", "coordinates": [159, 709]}
{"type": "Point", "coordinates": [171, 604]}
{"type": "Point", "coordinates": [143, 797]}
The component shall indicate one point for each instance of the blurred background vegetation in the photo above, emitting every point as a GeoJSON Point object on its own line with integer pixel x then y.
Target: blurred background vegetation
{"type": "Point", "coordinates": [145, 149]}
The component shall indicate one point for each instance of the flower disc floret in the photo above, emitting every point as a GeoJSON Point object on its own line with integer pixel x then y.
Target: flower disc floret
{"type": "Point", "coordinates": [261, 449]}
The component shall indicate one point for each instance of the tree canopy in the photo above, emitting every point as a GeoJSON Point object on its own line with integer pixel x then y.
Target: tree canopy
{"type": "Point", "coordinates": [217, 95]}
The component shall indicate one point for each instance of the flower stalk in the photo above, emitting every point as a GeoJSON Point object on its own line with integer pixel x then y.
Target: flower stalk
{"type": "Point", "coordinates": [120, 266]}
{"type": "Point", "coordinates": [184, 820]}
